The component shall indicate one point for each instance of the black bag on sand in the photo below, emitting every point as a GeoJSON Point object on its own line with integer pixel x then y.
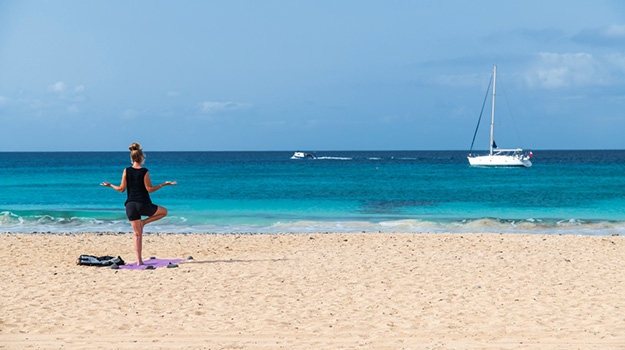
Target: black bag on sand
{"type": "Point", "coordinates": [90, 260]}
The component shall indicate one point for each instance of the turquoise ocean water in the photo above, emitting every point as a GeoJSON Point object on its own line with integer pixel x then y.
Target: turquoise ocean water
{"type": "Point", "coordinates": [565, 192]}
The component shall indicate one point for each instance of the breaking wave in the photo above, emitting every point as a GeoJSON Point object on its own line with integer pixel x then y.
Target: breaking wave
{"type": "Point", "coordinates": [57, 223]}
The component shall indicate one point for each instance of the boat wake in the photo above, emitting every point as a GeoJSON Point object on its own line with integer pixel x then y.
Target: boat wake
{"type": "Point", "coordinates": [335, 158]}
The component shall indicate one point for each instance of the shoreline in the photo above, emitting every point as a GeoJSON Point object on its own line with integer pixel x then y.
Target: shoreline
{"type": "Point", "coordinates": [324, 290]}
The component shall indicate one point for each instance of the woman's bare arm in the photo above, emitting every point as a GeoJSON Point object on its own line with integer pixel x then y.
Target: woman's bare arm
{"type": "Point", "coordinates": [150, 188]}
{"type": "Point", "coordinates": [121, 188]}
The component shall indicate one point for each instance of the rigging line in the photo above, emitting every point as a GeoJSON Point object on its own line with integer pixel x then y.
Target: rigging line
{"type": "Point", "coordinates": [490, 82]}
{"type": "Point", "coordinates": [516, 130]}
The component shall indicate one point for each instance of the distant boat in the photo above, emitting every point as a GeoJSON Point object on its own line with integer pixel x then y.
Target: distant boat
{"type": "Point", "coordinates": [499, 157]}
{"type": "Point", "coordinates": [303, 155]}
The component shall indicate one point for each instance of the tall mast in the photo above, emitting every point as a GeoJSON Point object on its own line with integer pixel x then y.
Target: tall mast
{"type": "Point", "coordinates": [492, 119]}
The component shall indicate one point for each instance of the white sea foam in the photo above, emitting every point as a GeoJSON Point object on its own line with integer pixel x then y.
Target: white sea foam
{"type": "Point", "coordinates": [11, 222]}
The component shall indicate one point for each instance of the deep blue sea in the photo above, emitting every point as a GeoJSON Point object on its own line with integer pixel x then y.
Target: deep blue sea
{"type": "Point", "coordinates": [565, 192]}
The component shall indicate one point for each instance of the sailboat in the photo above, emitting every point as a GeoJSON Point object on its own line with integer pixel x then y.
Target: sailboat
{"type": "Point", "coordinates": [497, 156]}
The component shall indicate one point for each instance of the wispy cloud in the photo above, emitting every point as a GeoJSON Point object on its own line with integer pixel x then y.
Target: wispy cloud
{"type": "Point", "coordinates": [58, 87]}
{"type": "Point", "coordinates": [209, 107]}
{"type": "Point", "coordinates": [555, 70]}
{"type": "Point", "coordinates": [63, 91]}
{"type": "Point", "coordinates": [617, 60]}
{"type": "Point", "coordinates": [526, 35]}
{"type": "Point", "coordinates": [615, 31]}
{"type": "Point", "coordinates": [73, 109]}
{"type": "Point", "coordinates": [573, 70]}
{"type": "Point", "coordinates": [610, 35]}
{"type": "Point", "coordinates": [130, 114]}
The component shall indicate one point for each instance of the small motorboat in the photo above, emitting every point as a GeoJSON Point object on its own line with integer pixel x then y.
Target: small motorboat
{"type": "Point", "coordinates": [303, 155]}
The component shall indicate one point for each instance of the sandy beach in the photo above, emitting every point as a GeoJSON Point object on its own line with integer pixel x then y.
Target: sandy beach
{"type": "Point", "coordinates": [315, 291]}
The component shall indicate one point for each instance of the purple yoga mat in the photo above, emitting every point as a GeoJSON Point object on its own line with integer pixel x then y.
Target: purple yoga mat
{"type": "Point", "coordinates": [156, 263]}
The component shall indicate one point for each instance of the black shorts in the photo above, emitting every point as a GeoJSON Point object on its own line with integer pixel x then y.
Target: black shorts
{"type": "Point", "coordinates": [134, 210]}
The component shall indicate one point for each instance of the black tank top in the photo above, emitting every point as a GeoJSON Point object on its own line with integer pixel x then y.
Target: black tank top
{"type": "Point", "coordinates": [135, 185]}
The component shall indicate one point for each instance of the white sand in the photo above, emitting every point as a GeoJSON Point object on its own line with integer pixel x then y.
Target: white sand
{"type": "Point", "coordinates": [316, 291]}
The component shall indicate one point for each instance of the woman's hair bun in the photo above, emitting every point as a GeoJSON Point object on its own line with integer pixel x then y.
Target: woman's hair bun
{"type": "Point", "coordinates": [135, 147]}
{"type": "Point", "coordinates": [136, 153]}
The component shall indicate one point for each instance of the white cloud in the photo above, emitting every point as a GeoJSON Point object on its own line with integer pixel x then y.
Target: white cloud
{"type": "Point", "coordinates": [61, 89]}
{"type": "Point", "coordinates": [172, 93]}
{"type": "Point", "coordinates": [130, 114]}
{"type": "Point", "coordinates": [58, 87]}
{"type": "Point", "coordinates": [615, 31]}
{"type": "Point", "coordinates": [209, 107]}
{"type": "Point", "coordinates": [553, 70]}
{"type": "Point", "coordinates": [73, 109]}
{"type": "Point", "coordinates": [613, 35]}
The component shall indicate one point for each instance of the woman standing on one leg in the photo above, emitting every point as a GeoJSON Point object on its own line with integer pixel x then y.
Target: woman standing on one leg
{"type": "Point", "coordinates": [137, 180]}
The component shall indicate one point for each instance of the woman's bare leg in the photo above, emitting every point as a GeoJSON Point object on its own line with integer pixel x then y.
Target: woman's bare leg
{"type": "Point", "coordinates": [161, 212]}
{"type": "Point", "coordinates": [137, 227]}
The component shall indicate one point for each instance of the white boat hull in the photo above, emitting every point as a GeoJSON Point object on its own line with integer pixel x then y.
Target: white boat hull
{"type": "Point", "coordinates": [500, 160]}
{"type": "Point", "coordinates": [302, 155]}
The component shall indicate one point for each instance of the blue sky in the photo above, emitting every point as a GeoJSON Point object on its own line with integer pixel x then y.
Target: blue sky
{"type": "Point", "coordinates": [309, 75]}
